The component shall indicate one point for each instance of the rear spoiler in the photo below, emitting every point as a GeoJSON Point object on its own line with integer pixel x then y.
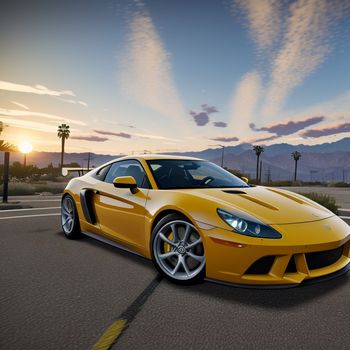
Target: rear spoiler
{"type": "Point", "coordinates": [80, 171]}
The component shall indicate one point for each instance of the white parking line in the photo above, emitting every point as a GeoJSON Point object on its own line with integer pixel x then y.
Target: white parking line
{"type": "Point", "coordinates": [343, 209]}
{"type": "Point", "coordinates": [40, 200]}
{"type": "Point", "coordinates": [345, 217]}
{"type": "Point", "coordinates": [28, 216]}
{"type": "Point", "coordinates": [12, 210]}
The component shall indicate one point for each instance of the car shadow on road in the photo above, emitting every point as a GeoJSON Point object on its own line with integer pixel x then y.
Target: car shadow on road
{"type": "Point", "coordinates": [271, 298]}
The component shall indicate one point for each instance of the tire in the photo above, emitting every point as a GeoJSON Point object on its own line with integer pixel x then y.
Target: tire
{"type": "Point", "coordinates": [69, 218]}
{"type": "Point", "coordinates": [180, 258]}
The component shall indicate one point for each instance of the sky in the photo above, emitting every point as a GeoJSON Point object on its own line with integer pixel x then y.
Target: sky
{"type": "Point", "coordinates": [166, 75]}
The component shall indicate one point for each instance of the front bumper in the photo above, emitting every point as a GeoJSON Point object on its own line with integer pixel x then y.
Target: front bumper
{"type": "Point", "coordinates": [307, 251]}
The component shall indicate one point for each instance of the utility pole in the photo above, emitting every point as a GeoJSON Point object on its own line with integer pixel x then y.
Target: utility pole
{"type": "Point", "coordinates": [260, 171]}
{"type": "Point", "coordinates": [88, 159]}
{"type": "Point", "coordinates": [6, 177]}
{"type": "Point", "coordinates": [222, 155]}
{"type": "Point", "coordinates": [269, 175]}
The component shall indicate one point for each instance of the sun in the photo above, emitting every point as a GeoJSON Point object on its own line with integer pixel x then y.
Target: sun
{"type": "Point", "coordinates": [25, 147]}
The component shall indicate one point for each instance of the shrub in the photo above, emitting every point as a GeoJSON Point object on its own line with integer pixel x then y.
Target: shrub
{"type": "Point", "coordinates": [24, 189]}
{"type": "Point", "coordinates": [323, 199]}
{"type": "Point", "coordinates": [341, 184]}
{"type": "Point", "coordinates": [19, 189]}
{"type": "Point", "coordinates": [51, 188]}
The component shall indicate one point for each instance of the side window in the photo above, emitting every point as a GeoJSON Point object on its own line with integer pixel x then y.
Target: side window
{"type": "Point", "coordinates": [128, 168]}
{"type": "Point", "coordinates": [101, 174]}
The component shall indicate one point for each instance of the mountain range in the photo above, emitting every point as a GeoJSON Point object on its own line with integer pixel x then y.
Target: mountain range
{"type": "Point", "coordinates": [322, 162]}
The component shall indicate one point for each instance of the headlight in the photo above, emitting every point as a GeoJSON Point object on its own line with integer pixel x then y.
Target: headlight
{"type": "Point", "coordinates": [248, 227]}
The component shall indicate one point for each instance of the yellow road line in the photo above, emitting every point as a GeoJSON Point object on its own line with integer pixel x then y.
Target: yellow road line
{"type": "Point", "coordinates": [110, 335]}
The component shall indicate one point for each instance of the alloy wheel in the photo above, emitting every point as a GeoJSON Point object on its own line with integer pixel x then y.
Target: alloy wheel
{"type": "Point", "coordinates": [178, 250]}
{"type": "Point", "coordinates": [67, 215]}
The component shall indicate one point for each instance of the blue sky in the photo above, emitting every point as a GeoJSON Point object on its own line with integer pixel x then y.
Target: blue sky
{"type": "Point", "coordinates": [129, 76]}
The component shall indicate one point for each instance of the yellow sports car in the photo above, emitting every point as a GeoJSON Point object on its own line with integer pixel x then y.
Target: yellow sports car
{"type": "Point", "coordinates": [195, 220]}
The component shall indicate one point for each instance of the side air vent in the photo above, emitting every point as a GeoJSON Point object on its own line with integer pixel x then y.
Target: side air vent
{"type": "Point", "coordinates": [234, 191]}
{"type": "Point", "coordinates": [86, 204]}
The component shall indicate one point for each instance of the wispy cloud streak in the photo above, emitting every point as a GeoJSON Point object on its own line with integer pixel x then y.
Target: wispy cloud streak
{"type": "Point", "coordinates": [92, 138]}
{"type": "Point", "coordinates": [19, 113]}
{"type": "Point", "coordinates": [264, 20]}
{"type": "Point", "coordinates": [111, 133]}
{"type": "Point", "coordinates": [36, 89]}
{"type": "Point", "coordinates": [225, 139]}
{"type": "Point", "coordinates": [245, 99]}
{"type": "Point", "coordinates": [146, 74]}
{"type": "Point", "coordinates": [306, 44]}
{"type": "Point", "coordinates": [20, 105]}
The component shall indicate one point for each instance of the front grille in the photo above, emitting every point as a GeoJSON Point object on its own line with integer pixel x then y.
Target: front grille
{"type": "Point", "coordinates": [318, 260]}
{"type": "Point", "coordinates": [315, 260]}
{"type": "Point", "coordinates": [261, 266]}
{"type": "Point", "coordinates": [291, 265]}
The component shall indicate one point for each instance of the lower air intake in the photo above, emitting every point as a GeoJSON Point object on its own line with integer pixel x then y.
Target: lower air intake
{"type": "Point", "coordinates": [318, 260]}
{"type": "Point", "coordinates": [261, 266]}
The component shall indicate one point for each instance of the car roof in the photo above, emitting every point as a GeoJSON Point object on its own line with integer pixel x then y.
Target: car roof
{"type": "Point", "coordinates": [156, 156]}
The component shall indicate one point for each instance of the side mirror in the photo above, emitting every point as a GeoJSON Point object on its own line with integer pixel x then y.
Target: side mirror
{"type": "Point", "coordinates": [245, 179]}
{"type": "Point", "coordinates": [125, 182]}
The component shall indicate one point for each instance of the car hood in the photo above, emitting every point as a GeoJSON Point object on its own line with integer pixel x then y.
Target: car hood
{"type": "Point", "coordinates": [270, 205]}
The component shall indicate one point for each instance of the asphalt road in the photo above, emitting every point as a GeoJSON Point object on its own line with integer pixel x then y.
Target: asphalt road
{"type": "Point", "coordinates": [61, 294]}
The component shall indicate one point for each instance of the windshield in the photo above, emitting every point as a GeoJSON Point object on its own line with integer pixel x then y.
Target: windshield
{"type": "Point", "coordinates": [178, 173]}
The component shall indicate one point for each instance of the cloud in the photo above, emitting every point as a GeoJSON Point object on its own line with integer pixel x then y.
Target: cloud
{"type": "Point", "coordinates": [155, 137]}
{"type": "Point", "coordinates": [130, 135]}
{"type": "Point", "coordinates": [19, 113]}
{"type": "Point", "coordinates": [245, 99]}
{"type": "Point", "coordinates": [290, 127]}
{"type": "Point", "coordinates": [264, 20]}
{"type": "Point", "coordinates": [37, 89]}
{"type": "Point", "coordinates": [93, 138]}
{"type": "Point", "coordinates": [118, 134]}
{"type": "Point", "coordinates": [225, 139]}
{"type": "Point", "coordinates": [209, 109]}
{"type": "Point", "coordinates": [145, 72]}
{"type": "Point", "coordinates": [202, 118]}
{"type": "Point", "coordinates": [220, 124]}
{"type": "Point", "coordinates": [128, 126]}
{"type": "Point", "coordinates": [267, 138]}
{"type": "Point", "coordinates": [82, 103]}
{"type": "Point", "coordinates": [29, 124]}
{"type": "Point", "coordinates": [330, 130]}
{"type": "Point", "coordinates": [305, 45]}
{"type": "Point", "coordinates": [20, 105]}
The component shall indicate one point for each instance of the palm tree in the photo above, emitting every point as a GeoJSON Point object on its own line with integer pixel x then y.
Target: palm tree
{"type": "Point", "coordinates": [258, 150]}
{"type": "Point", "coordinates": [63, 133]}
{"type": "Point", "coordinates": [6, 148]}
{"type": "Point", "coordinates": [296, 156]}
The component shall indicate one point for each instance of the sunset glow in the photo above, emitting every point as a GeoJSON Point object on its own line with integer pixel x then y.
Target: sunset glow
{"type": "Point", "coordinates": [25, 147]}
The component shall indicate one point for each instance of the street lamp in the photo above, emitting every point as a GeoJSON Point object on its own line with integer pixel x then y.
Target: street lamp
{"type": "Point", "coordinates": [222, 154]}
{"type": "Point", "coordinates": [25, 147]}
